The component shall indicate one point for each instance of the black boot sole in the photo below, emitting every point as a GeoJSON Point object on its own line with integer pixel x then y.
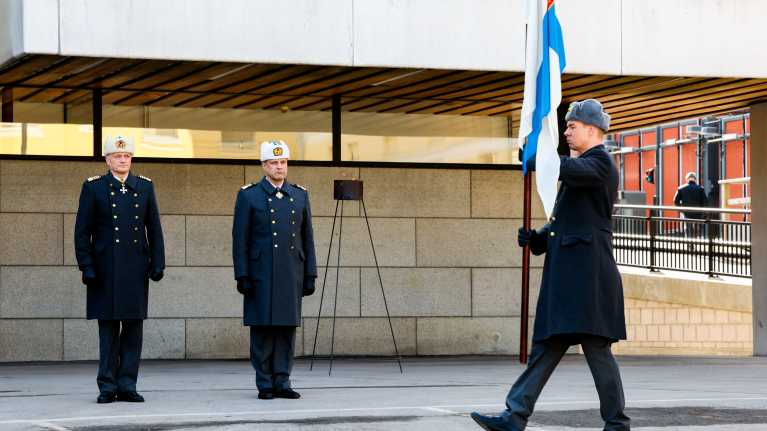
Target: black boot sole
{"type": "Point", "coordinates": [482, 425]}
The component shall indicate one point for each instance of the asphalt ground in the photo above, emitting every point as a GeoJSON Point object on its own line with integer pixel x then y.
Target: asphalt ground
{"type": "Point", "coordinates": [662, 393]}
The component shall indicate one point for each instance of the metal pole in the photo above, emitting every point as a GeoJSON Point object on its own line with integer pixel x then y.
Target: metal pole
{"type": "Point", "coordinates": [98, 122]}
{"type": "Point", "coordinates": [380, 282]}
{"type": "Point", "coordinates": [710, 231]}
{"type": "Point", "coordinates": [7, 101]}
{"type": "Point", "coordinates": [526, 215]}
{"type": "Point", "coordinates": [335, 301]}
{"type": "Point", "coordinates": [659, 177]}
{"type": "Point", "coordinates": [651, 221]}
{"type": "Point", "coordinates": [336, 127]}
{"type": "Point", "coordinates": [322, 291]}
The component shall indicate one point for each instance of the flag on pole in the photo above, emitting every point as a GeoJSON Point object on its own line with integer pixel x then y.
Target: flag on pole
{"type": "Point", "coordinates": [544, 63]}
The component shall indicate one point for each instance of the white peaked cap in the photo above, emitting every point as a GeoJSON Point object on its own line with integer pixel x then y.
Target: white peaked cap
{"type": "Point", "coordinates": [118, 144]}
{"type": "Point", "coordinates": [271, 150]}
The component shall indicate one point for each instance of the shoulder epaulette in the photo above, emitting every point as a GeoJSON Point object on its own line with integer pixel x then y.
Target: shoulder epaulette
{"type": "Point", "coordinates": [145, 178]}
{"type": "Point", "coordinates": [300, 187]}
{"type": "Point", "coordinates": [246, 186]}
{"type": "Point", "coordinates": [94, 178]}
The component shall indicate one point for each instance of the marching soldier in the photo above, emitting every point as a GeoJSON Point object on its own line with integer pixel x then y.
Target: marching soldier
{"type": "Point", "coordinates": [275, 266]}
{"type": "Point", "coordinates": [581, 298]}
{"type": "Point", "coordinates": [119, 246]}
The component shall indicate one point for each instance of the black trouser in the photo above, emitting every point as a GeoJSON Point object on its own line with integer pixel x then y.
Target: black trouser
{"type": "Point", "coordinates": [119, 354]}
{"type": "Point", "coordinates": [544, 358]}
{"type": "Point", "coordinates": [271, 354]}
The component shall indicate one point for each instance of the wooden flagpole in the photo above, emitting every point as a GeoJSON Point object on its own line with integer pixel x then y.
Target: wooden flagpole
{"type": "Point", "coordinates": [523, 319]}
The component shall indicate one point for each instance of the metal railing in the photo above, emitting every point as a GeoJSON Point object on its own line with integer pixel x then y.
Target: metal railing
{"type": "Point", "coordinates": [716, 242]}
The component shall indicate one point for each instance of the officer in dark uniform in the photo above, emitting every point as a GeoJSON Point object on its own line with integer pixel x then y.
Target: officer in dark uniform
{"type": "Point", "coordinates": [581, 297]}
{"type": "Point", "coordinates": [119, 246]}
{"type": "Point", "coordinates": [691, 195]}
{"type": "Point", "coordinates": [275, 266]}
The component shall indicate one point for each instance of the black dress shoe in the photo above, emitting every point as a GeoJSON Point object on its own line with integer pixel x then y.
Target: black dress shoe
{"type": "Point", "coordinates": [106, 398]}
{"type": "Point", "coordinates": [287, 393]}
{"type": "Point", "coordinates": [265, 395]}
{"type": "Point", "coordinates": [131, 397]}
{"type": "Point", "coordinates": [492, 423]}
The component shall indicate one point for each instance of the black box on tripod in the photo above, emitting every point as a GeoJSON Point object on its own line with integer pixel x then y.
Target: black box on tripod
{"type": "Point", "coordinates": [347, 190]}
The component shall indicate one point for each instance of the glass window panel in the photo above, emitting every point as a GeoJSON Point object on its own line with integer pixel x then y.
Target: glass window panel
{"type": "Point", "coordinates": [46, 139]}
{"type": "Point", "coordinates": [216, 144]}
{"type": "Point", "coordinates": [427, 138]}
{"type": "Point", "coordinates": [122, 116]}
{"type": "Point", "coordinates": [220, 133]}
{"type": "Point", "coordinates": [11, 136]}
{"type": "Point", "coordinates": [59, 139]}
{"type": "Point", "coordinates": [38, 113]}
{"type": "Point", "coordinates": [50, 129]}
{"type": "Point", "coordinates": [78, 112]}
{"type": "Point", "coordinates": [81, 113]}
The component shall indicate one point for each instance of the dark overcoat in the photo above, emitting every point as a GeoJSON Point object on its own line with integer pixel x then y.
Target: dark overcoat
{"type": "Point", "coordinates": [691, 195]}
{"type": "Point", "coordinates": [273, 245]}
{"type": "Point", "coordinates": [581, 291]}
{"type": "Point", "coordinates": [118, 234]}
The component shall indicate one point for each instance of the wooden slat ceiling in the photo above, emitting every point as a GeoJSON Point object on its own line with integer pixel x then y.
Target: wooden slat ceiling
{"type": "Point", "coordinates": [633, 101]}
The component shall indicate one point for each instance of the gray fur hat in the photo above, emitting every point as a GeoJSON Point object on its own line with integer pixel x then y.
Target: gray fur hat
{"type": "Point", "coordinates": [589, 111]}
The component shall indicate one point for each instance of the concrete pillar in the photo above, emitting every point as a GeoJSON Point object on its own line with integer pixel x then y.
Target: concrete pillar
{"type": "Point", "coordinates": [759, 225]}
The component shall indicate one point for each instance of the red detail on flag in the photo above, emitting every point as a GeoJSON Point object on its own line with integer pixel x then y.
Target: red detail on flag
{"type": "Point", "coordinates": [550, 4]}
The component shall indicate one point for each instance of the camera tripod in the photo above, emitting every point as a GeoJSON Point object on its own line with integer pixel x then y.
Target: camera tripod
{"type": "Point", "coordinates": [347, 190]}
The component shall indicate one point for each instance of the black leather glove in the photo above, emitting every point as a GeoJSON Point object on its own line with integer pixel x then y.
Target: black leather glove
{"type": "Point", "coordinates": [244, 284]}
{"type": "Point", "coordinates": [89, 276]}
{"type": "Point", "coordinates": [309, 285]}
{"type": "Point", "coordinates": [524, 236]}
{"type": "Point", "coordinates": [156, 275]}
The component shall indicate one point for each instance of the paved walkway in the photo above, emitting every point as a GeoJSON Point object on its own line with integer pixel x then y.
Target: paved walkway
{"type": "Point", "coordinates": [432, 394]}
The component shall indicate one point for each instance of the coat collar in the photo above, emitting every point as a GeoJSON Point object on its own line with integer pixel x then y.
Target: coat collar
{"type": "Point", "coordinates": [600, 147]}
{"type": "Point", "coordinates": [131, 181]}
{"type": "Point", "coordinates": [271, 190]}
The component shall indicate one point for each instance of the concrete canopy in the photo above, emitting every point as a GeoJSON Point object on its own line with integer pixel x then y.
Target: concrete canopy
{"type": "Point", "coordinates": [649, 62]}
{"type": "Point", "coordinates": [633, 101]}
